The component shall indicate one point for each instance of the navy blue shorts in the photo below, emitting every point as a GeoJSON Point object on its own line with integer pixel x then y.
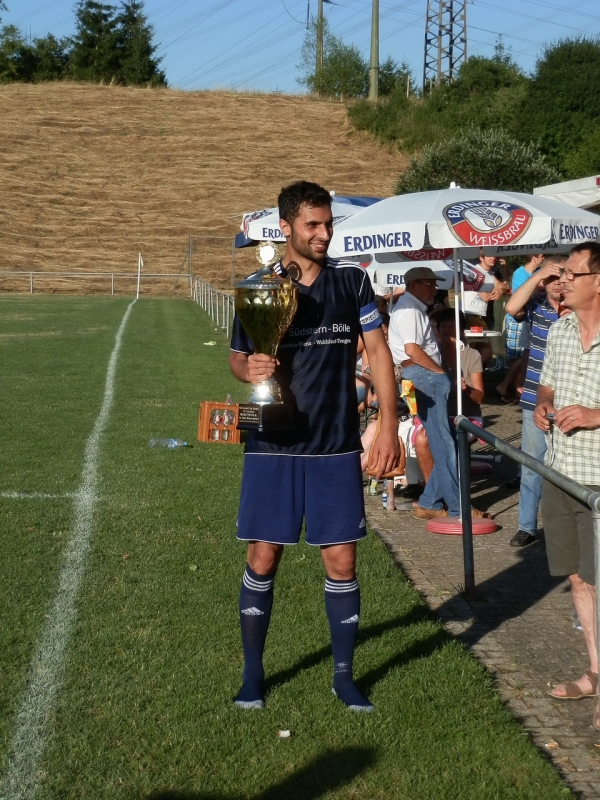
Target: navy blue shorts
{"type": "Point", "coordinates": [278, 492]}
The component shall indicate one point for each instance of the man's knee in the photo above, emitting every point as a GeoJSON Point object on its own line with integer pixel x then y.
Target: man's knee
{"type": "Point", "coordinates": [579, 585]}
{"type": "Point", "coordinates": [264, 557]}
{"type": "Point", "coordinates": [340, 561]}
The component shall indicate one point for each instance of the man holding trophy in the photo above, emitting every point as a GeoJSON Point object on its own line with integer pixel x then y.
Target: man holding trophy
{"type": "Point", "coordinates": [308, 468]}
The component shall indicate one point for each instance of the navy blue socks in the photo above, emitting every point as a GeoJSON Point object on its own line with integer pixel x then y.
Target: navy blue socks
{"type": "Point", "coordinates": [256, 600]}
{"type": "Point", "coordinates": [342, 604]}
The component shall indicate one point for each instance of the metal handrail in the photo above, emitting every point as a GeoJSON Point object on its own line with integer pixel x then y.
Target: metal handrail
{"type": "Point", "coordinates": [577, 490]}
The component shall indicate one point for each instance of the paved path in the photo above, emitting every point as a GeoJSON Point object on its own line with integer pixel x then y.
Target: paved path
{"type": "Point", "coordinates": [520, 627]}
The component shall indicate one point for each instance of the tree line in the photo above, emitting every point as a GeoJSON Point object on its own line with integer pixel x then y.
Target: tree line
{"type": "Point", "coordinates": [492, 127]}
{"type": "Point", "coordinates": [112, 44]}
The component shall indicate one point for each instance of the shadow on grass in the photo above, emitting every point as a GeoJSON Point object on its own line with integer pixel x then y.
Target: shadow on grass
{"type": "Point", "coordinates": [333, 769]}
{"type": "Point", "coordinates": [415, 616]}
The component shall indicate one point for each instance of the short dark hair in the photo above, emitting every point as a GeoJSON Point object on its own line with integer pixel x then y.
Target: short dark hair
{"type": "Point", "coordinates": [302, 193]}
{"type": "Point", "coordinates": [594, 248]}
{"type": "Point", "coordinates": [555, 258]}
{"type": "Point", "coordinates": [448, 315]}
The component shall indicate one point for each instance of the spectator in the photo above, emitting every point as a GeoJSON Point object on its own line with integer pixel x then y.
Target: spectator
{"type": "Point", "coordinates": [414, 347]}
{"type": "Point", "coordinates": [569, 389]}
{"type": "Point", "coordinates": [478, 307]}
{"type": "Point", "coordinates": [471, 366]}
{"type": "Point", "coordinates": [515, 331]}
{"type": "Point", "coordinates": [537, 303]}
{"type": "Point", "coordinates": [472, 386]}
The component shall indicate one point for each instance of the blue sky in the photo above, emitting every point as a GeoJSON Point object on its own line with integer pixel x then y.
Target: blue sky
{"type": "Point", "coordinates": [255, 44]}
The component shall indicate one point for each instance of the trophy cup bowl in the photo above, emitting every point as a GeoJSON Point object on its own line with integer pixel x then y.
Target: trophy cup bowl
{"type": "Point", "coordinates": [266, 304]}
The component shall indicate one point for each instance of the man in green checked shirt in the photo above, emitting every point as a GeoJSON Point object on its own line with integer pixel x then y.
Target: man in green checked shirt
{"type": "Point", "coordinates": [570, 389]}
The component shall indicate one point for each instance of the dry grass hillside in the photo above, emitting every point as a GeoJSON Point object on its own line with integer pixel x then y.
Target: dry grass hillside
{"type": "Point", "coordinates": [92, 175]}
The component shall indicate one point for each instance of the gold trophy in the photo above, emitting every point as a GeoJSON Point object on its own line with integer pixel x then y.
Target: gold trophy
{"type": "Point", "coordinates": [266, 304]}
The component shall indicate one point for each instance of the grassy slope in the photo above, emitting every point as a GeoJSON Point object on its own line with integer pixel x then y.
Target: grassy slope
{"type": "Point", "coordinates": [91, 175]}
{"type": "Point", "coordinates": [155, 658]}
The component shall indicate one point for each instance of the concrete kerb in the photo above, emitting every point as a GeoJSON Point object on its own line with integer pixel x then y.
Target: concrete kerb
{"type": "Point", "coordinates": [521, 626]}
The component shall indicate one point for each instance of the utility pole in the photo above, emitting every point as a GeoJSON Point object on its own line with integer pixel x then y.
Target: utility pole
{"type": "Point", "coordinates": [319, 73]}
{"type": "Point", "coordinates": [374, 70]}
{"type": "Point", "coordinates": [445, 41]}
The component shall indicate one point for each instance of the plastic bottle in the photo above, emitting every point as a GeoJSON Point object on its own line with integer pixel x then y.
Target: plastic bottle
{"type": "Point", "coordinates": [372, 490]}
{"type": "Point", "coordinates": [384, 498]}
{"type": "Point", "coordinates": [171, 444]}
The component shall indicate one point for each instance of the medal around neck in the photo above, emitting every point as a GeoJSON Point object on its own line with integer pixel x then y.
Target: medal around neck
{"type": "Point", "coordinates": [266, 304]}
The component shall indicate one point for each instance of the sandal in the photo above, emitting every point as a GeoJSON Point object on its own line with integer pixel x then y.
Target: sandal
{"type": "Point", "coordinates": [573, 692]}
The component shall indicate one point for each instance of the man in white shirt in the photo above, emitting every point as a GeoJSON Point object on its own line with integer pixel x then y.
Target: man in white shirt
{"type": "Point", "coordinates": [414, 347]}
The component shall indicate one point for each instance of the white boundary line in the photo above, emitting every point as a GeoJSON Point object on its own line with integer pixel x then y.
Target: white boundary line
{"type": "Point", "coordinates": [35, 716]}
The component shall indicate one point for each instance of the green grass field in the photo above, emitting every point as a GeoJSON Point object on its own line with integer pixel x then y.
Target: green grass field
{"type": "Point", "coordinates": [139, 704]}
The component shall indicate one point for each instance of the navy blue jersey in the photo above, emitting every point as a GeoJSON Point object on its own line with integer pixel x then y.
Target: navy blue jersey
{"type": "Point", "coordinates": [318, 363]}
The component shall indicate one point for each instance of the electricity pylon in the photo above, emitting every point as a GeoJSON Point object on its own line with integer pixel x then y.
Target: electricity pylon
{"type": "Point", "coordinates": [445, 40]}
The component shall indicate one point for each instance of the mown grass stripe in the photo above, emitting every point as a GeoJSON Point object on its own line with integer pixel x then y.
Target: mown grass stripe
{"type": "Point", "coordinates": [33, 724]}
{"type": "Point", "coordinates": [37, 496]}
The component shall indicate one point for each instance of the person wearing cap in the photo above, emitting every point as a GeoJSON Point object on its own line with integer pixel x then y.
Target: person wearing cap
{"type": "Point", "coordinates": [415, 349]}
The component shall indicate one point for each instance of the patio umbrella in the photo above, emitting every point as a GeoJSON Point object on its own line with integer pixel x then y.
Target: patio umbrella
{"type": "Point", "coordinates": [263, 225]}
{"type": "Point", "coordinates": [462, 221]}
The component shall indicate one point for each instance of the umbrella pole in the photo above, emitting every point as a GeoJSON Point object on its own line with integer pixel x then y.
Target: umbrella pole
{"type": "Point", "coordinates": [465, 502]}
{"type": "Point", "coordinates": [464, 455]}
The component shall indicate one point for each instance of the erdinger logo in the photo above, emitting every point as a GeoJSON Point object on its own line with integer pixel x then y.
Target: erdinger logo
{"type": "Point", "coordinates": [484, 223]}
{"type": "Point", "coordinates": [427, 255]}
{"type": "Point", "coordinates": [252, 217]}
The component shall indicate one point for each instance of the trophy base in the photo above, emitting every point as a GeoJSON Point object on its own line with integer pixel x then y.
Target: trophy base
{"type": "Point", "coordinates": [269, 417]}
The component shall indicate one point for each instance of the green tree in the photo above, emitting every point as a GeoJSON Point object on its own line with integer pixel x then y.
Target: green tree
{"type": "Point", "coordinates": [51, 59]}
{"type": "Point", "coordinates": [585, 159]}
{"type": "Point", "coordinates": [45, 60]}
{"type": "Point", "coordinates": [94, 54]}
{"type": "Point", "coordinates": [562, 105]}
{"type": "Point", "coordinates": [16, 60]}
{"type": "Point", "coordinates": [478, 160]}
{"type": "Point", "coordinates": [137, 66]}
{"type": "Point", "coordinates": [345, 72]}
{"type": "Point", "coordinates": [394, 78]}
{"type": "Point", "coordinates": [3, 7]}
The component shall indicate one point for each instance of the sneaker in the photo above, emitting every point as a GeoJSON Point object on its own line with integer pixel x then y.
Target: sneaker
{"type": "Point", "coordinates": [428, 513]}
{"type": "Point", "coordinates": [522, 539]}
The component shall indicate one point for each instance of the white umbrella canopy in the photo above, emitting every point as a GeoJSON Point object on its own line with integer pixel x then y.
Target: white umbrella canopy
{"type": "Point", "coordinates": [391, 274]}
{"type": "Point", "coordinates": [464, 220]}
{"type": "Point", "coordinates": [264, 225]}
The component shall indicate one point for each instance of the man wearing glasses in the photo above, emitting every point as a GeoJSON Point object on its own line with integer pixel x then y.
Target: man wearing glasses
{"type": "Point", "coordinates": [570, 390]}
{"type": "Point", "coordinates": [414, 347]}
{"type": "Point", "coordinates": [536, 302]}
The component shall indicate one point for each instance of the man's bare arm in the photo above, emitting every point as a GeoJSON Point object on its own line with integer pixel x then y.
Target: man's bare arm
{"type": "Point", "coordinates": [385, 451]}
{"type": "Point", "coordinates": [516, 305]}
{"type": "Point", "coordinates": [420, 357]}
{"type": "Point", "coordinates": [545, 406]}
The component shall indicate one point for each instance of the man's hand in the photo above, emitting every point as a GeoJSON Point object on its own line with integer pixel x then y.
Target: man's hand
{"type": "Point", "coordinates": [252, 368]}
{"type": "Point", "coordinates": [551, 270]}
{"type": "Point", "coordinates": [571, 417]}
{"type": "Point", "coordinates": [261, 367]}
{"type": "Point", "coordinates": [540, 415]}
{"type": "Point", "coordinates": [385, 452]}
